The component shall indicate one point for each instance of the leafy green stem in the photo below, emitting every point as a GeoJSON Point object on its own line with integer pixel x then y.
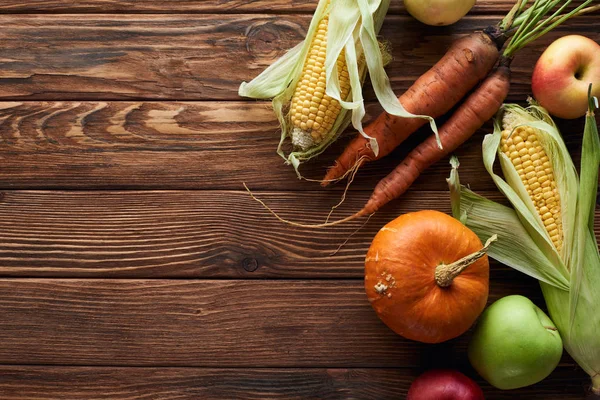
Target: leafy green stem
{"type": "Point", "coordinates": [508, 20]}
{"type": "Point", "coordinates": [554, 23]}
{"type": "Point", "coordinates": [535, 23]}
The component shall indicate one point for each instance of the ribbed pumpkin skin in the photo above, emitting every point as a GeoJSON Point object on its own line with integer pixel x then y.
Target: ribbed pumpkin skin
{"type": "Point", "coordinates": [403, 258]}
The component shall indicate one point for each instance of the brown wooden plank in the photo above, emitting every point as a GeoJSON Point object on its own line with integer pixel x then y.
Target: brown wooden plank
{"type": "Point", "coordinates": [186, 234]}
{"type": "Point", "coordinates": [191, 234]}
{"type": "Point", "coordinates": [202, 6]}
{"type": "Point", "coordinates": [183, 57]}
{"type": "Point", "coordinates": [76, 383]}
{"type": "Point", "coordinates": [209, 323]}
{"type": "Point", "coordinates": [183, 145]}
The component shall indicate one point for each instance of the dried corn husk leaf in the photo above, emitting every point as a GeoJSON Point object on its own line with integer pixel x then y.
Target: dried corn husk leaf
{"type": "Point", "coordinates": [353, 27]}
{"type": "Point", "coordinates": [570, 282]}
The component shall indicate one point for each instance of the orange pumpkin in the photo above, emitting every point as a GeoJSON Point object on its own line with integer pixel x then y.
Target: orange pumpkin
{"type": "Point", "coordinates": [427, 276]}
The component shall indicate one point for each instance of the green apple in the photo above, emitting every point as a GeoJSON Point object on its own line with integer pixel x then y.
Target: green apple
{"type": "Point", "coordinates": [515, 344]}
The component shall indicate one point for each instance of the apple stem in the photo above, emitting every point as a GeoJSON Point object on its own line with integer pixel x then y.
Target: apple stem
{"type": "Point", "coordinates": [445, 273]}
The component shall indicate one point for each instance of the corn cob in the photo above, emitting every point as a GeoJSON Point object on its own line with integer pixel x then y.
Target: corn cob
{"type": "Point", "coordinates": [529, 158]}
{"type": "Point", "coordinates": [312, 112]}
{"type": "Point", "coordinates": [344, 37]}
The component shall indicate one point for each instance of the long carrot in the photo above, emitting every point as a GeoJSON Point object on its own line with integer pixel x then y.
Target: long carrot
{"type": "Point", "coordinates": [466, 63]}
{"type": "Point", "coordinates": [479, 107]}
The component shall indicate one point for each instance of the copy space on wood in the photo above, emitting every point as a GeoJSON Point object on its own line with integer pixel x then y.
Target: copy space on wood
{"type": "Point", "coordinates": [206, 323]}
{"type": "Point", "coordinates": [194, 234]}
{"type": "Point", "coordinates": [183, 57]}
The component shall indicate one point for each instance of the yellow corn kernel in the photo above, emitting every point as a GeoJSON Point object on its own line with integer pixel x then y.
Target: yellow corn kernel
{"type": "Point", "coordinates": [310, 101]}
{"type": "Point", "coordinates": [535, 170]}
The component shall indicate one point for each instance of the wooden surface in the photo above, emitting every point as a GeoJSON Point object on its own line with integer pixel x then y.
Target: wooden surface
{"type": "Point", "coordinates": [132, 263]}
{"type": "Point", "coordinates": [184, 56]}
{"type": "Point", "coordinates": [170, 383]}
{"type": "Point", "coordinates": [200, 6]}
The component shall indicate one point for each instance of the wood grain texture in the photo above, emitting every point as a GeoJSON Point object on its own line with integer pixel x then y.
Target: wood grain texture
{"type": "Point", "coordinates": [202, 6]}
{"type": "Point", "coordinates": [193, 234]}
{"type": "Point", "coordinates": [182, 57]}
{"type": "Point", "coordinates": [146, 98]}
{"type": "Point", "coordinates": [209, 323]}
{"type": "Point", "coordinates": [189, 145]}
{"type": "Point", "coordinates": [76, 383]}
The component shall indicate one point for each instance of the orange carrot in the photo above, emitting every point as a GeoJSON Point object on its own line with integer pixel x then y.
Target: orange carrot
{"type": "Point", "coordinates": [479, 107]}
{"type": "Point", "coordinates": [467, 62]}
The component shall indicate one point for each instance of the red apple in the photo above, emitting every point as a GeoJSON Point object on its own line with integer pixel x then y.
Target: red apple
{"type": "Point", "coordinates": [444, 384]}
{"type": "Point", "coordinates": [563, 73]}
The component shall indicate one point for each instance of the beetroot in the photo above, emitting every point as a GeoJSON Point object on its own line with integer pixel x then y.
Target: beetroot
{"type": "Point", "coordinates": [444, 384]}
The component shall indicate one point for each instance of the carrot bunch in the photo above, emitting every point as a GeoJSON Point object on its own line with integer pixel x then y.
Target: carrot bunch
{"type": "Point", "coordinates": [466, 63]}
{"type": "Point", "coordinates": [467, 66]}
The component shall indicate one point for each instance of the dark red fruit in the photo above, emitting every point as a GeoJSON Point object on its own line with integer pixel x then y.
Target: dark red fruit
{"type": "Point", "coordinates": [444, 384]}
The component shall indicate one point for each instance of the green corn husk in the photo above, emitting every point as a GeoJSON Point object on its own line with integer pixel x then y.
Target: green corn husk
{"type": "Point", "coordinates": [570, 279]}
{"type": "Point", "coordinates": [353, 27]}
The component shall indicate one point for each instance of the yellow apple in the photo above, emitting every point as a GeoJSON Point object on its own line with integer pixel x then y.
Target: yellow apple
{"type": "Point", "coordinates": [438, 12]}
{"type": "Point", "coordinates": [563, 73]}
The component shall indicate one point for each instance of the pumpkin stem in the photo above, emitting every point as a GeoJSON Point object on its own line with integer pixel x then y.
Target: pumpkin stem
{"type": "Point", "coordinates": [445, 274]}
